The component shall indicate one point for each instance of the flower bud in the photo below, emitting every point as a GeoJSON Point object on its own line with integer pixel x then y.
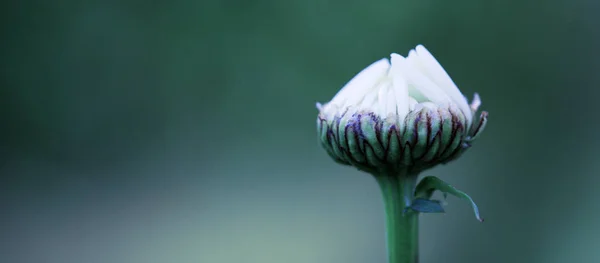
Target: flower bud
{"type": "Point", "coordinates": [404, 116]}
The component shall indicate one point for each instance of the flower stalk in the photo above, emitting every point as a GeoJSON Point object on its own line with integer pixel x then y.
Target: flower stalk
{"type": "Point", "coordinates": [402, 223]}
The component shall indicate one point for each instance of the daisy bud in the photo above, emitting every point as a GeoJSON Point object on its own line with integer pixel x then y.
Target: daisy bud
{"type": "Point", "coordinates": [401, 114]}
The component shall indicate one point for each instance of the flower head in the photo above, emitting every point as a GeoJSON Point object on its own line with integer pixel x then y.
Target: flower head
{"type": "Point", "coordinates": [399, 114]}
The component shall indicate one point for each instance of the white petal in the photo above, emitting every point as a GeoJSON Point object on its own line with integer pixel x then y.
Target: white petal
{"type": "Point", "coordinates": [383, 103]}
{"type": "Point", "coordinates": [391, 101]}
{"type": "Point", "coordinates": [368, 102]}
{"type": "Point", "coordinates": [400, 88]}
{"type": "Point", "coordinates": [475, 103]}
{"type": "Point", "coordinates": [418, 80]}
{"type": "Point", "coordinates": [437, 73]}
{"type": "Point", "coordinates": [412, 103]}
{"type": "Point", "coordinates": [429, 105]}
{"type": "Point", "coordinates": [357, 87]}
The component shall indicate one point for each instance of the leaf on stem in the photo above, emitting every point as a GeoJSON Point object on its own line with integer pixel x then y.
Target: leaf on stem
{"type": "Point", "coordinates": [423, 205]}
{"type": "Point", "coordinates": [430, 184]}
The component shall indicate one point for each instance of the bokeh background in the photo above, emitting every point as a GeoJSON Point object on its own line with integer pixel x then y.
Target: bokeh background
{"type": "Point", "coordinates": [184, 131]}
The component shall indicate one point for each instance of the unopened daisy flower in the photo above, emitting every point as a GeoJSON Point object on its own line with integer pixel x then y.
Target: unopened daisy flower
{"type": "Point", "coordinates": [395, 119]}
{"type": "Point", "coordinates": [401, 114]}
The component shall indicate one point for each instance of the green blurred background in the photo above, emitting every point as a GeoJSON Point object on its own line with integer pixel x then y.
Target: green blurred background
{"type": "Point", "coordinates": [184, 131]}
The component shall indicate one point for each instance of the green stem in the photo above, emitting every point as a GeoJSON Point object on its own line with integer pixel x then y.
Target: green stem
{"type": "Point", "coordinates": [402, 225]}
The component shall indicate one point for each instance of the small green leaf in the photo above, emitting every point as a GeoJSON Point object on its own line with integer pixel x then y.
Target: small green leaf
{"type": "Point", "coordinates": [430, 184]}
{"type": "Point", "coordinates": [423, 205]}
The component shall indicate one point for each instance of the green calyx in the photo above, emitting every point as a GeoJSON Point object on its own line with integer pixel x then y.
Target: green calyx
{"type": "Point", "coordinates": [425, 138]}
